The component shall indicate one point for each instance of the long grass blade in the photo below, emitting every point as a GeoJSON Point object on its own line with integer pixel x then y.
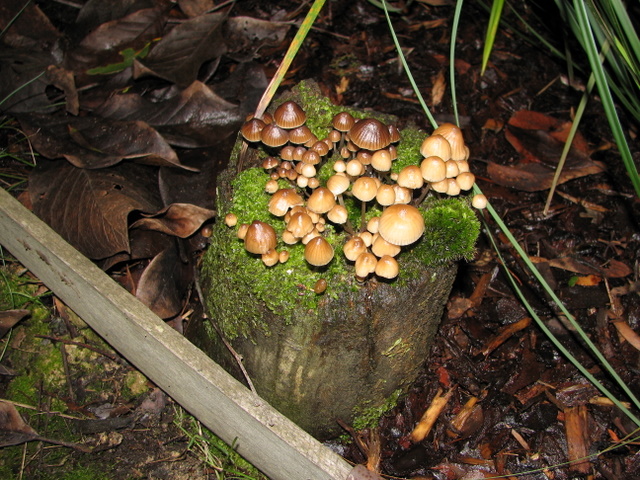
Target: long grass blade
{"type": "Point", "coordinates": [452, 59]}
{"type": "Point", "coordinates": [492, 30]}
{"type": "Point", "coordinates": [292, 51]}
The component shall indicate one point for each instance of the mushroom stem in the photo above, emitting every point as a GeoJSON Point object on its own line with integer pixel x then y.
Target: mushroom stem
{"type": "Point", "coordinates": [347, 225]}
{"type": "Point", "coordinates": [423, 193]}
{"type": "Point", "coordinates": [363, 212]}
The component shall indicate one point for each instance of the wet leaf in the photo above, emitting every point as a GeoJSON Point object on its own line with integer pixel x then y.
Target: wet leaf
{"type": "Point", "coordinates": [246, 35]}
{"type": "Point", "coordinates": [91, 142]}
{"type": "Point", "coordinates": [23, 81]}
{"type": "Point", "coordinates": [178, 219]}
{"type": "Point", "coordinates": [97, 12]}
{"type": "Point", "coordinates": [13, 429]}
{"type": "Point", "coordinates": [195, 117]}
{"type": "Point", "coordinates": [163, 284]}
{"type": "Point", "coordinates": [181, 52]}
{"type": "Point", "coordinates": [539, 139]}
{"type": "Point", "coordinates": [90, 208]}
{"type": "Point", "coordinates": [9, 318]}
{"type": "Point", "coordinates": [64, 80]}
{"type": "Point", "coordinates": [30, 30]}
{"type": "Point", "coordinates": [193, 8]}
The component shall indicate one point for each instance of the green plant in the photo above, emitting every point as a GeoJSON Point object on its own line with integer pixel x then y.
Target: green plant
{"type": "Point", "coordinates": [225, 462]}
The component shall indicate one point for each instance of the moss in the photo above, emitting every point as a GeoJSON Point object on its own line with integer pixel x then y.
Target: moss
{"type": "Point", "coordinates": [367, 416]}
{"type": "Point", "coordinates": [451, 232]}
{"type": "Point", "coordinates": [135, 384]}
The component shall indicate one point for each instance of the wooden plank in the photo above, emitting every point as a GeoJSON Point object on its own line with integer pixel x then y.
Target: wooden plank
{"type": "Point", "coordinates": [262, 435]}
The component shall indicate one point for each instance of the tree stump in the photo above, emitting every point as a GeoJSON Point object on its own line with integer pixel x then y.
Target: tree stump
{"type": "Point", "coordinates": [322, 357]}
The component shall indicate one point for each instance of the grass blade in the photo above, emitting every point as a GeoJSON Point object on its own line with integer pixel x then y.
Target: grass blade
{"type": "Point", "coordinates": [492, 29]}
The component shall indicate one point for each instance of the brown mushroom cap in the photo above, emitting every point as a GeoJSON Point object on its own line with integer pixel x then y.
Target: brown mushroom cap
{"type": "Point", "coordinates": [260, 238]}
{"type": "Point", "coordinates": [466, 180]}
{"type": "Point", "coordinates": [274, 136]}
{"type": "Point", "coordinates": [353, 248]}
{"type": "Point", "coordinates": [479, 201]}
{"type": "Point", "coordinates": [410, 177]}
{"type": "Point", "coordinates": [289, 115]}
{"type": "Point", "coordinates": [270, 258]}
{"type": "Point", "coordinates": [401, 224]}
{"type": "Point", "coordinates": [433, 169]}
{"type": "Point", "coordinates": [300, 135]}
{"type": "Point", "coordinates": [321, 200]}
{"type": "Point", "coordinates": [252, 129]}
{"type": "Point", "coordinates": [283, 200]}
{"type": "Point", "coordinates": [318, 251]}
{"type": "Point", "coordinates": [343, 121]}
{"type": "Point", "coordinates": [300, 224]}
{"type": "Point", "coordinates": [454, 136]}
{"type": "Point", "coordinates": [386, 195]}
{"type": "Point", "coordinates": [365, 264]}
{"type": "Point", "coordinates": [338, 215]}
{"type": "Point", "coordinates": [436, 145]}
{"type": "Point", "coordinates": [364, 189]}
{"type": "Point", "coordinates": [370, 134]}
{"type": "Point", "coordinates": [381, 160]}
{"type": "Point", "coordinates": [338, 184]}
{"type": "Point", "coordinates": [380, 247]}
{"type": "Point", "coordinates": [387, 267]}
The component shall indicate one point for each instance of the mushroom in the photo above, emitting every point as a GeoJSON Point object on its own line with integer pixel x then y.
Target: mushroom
{"type": "Point", "coordinates": [260, 238]}
{"type": "Point", "coordinates": [338, 215]}
{"type": "Point", "coordinates": [436, 145]}
{"type": "Point", "coordinates": [274, 136]}
{"type": "Point", "coordinates": [365, 264]}
{"type": "Point", "coordinates": [370, 134]}
{"type": "Point", "coordinates": [466, 180]}
{"type": "Point", "coordinates": [283, 200]}
{"type": "Point", "coordinates": [410, 177]}
{"type": "Point", "coordinates": [270, 258]}
{"type": "Point", "coordinates": [343, 121]}
{"type": "Point", "coordinates": [454, 136]}
{"type": "Point", "coordinates": [364, 189]}
{"type": "Point", "coordinates": [300, 224]}
{"type": "Point", "coordinates": [321, 200]}
{"type": "Point", "coordinates": [289, 115]}
{"type": "Point", "coordinates": [401, 224]}
{"type": "Point", "coordinates": [318, 252]}
{"type": "Point", "coordinates": [300, 135]}
{"type": "Point", "coordinates": [381, 160]}
{"type": "Point", "coordinates": [338, 184]}
{"type": "Point", "coordinates": [387, 267]}
{"type": "Point", "coordinates": [353, 248]}
{"type": "Point", "coordinates": [386, 195]}
{"type": "Point", "coordinates": [433, 169]}
{"type": "Point", "coordinates": [251, 130]}
{"type": "Point", "coordinates": [230, 219]}
{"type": "Point", "coordinates": [380, 247]}
{"type": "Point", "coordinates": [479, 201]}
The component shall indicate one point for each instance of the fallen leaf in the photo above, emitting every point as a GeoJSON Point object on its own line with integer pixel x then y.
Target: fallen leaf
{"type": "Point", "coordinates": [163, 284]}
{"type": "Point", "coordinates": [195, 117]}
{"type": "Point", "coordinates": [91, 142]}
{"type": "Point", "coordinates": [9, 318]}
{"type": "Point", "coordinates": [90, 208]}
{"type": "Point", "coordinates": [13, 429]}
{"type": "Point", "coordinates": [438, 89]}
{"type": "Point", "coordinates": [178, 219]}
{"type": "Point", "coordinates": [588, 280]}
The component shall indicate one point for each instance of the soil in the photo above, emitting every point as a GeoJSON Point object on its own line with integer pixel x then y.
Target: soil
{"type": "Point", "coordinates": [524, 398]}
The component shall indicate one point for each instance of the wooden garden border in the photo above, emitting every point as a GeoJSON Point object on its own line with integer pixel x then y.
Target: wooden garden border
{"type": "Point", "coordinates": [270, 441]}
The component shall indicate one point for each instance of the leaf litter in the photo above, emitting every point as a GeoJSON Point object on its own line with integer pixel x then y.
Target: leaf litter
{"type": "Point", "coordinates": [150, 130]}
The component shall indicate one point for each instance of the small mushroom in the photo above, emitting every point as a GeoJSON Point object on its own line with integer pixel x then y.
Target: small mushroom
{"type": "Point", "coordinates": [260, 238]}
{"type": "Point", "coordinates": [364, 189]}
{"type": "Point", "coordinates": [353, 248]}
{"type": "Point", "coordinates": [289, 115]}
{"type": "Point", "coordinates": [387, 267]}
{"type": "Point", "coordinates": [318, 252]}
{"type": "Point", "coordinates": [479, 201]}
{"type": "Point", "coordinates": [274, 136]}
{"type": "Point", "coordinates": [270, 258]}
{"type": "Point", "coordinates": [365, 264]}
{"type": "Point", "coordinates": [231, 219]}
{"type": "Point", "coordinates": [433, 169]}
{"type": "Point", "coordinates": [436, 145]}
{"type": "Point", "coordinates": [283, 200]}
{"type": "Point", "coordinates": [401, 224]}
{"type": "Point", "coordinates": [410, 177]}
{"type": "Point", "coordinates": [321, 200]}
{"type": "Point", "coordinates": [370, 134]}
{"type": "Point", "coordinates": [453, 134]}
{"type": "Point", "coordinates": [252, 129]}
{"type": "Point", "coordinates": [381, 160]}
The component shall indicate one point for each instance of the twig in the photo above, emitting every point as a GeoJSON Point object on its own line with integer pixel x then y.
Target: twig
{"type": "Point", "coordinates": [236, 355]}
{"type": "Point", "coordinates": [84, 345]}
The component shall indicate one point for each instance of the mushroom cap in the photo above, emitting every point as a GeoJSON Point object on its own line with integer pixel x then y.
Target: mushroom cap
{"type": "Point", "coordinates": [433, 169]}
{"type": "Point", "coordinates": [381, 160]}
{"type": "Point", "coordinates": [353, 248]}
{"type": "Point", "coordinates": [452, 169]}
{"type": "Point", "coordinates": [270, 258]}
{"type": "Point", "coordinates": [436, 145]}
{"type": "Point", "coordinates": [466, 180]}
{"type": "Point", "coordinates": [338, 214]}
{"type": "Point", "coordinates": [386, 195]}
{"type": "Point", "coordinates": [273, 136]}
{"type": "Point", "coordinates": [410, 177]}
{"type": "Point", "coordinates": [380, 247]}
{"type": "Point", "coordinates": [231, 219]}
{"type": "Point", "coordinates": [387, 267]}
{"type": "Point", "coordinates": [321, 200]}
{"type": "Point", "coordinates": [401, 224]}
{"type": "Point", "coordinates": [300, 135]}
{"type": "Point", "coordinates": [289, 115]}
{"type": "Point", "coordinates": [365, 264]}
{"type": "Point", "coordinates": [370, 134]}
{"type": "Point", "coordinates": [454, 136]}
{"type": "Point", "coordinates": [479, 201]}
{"type": "Point", "coordinates": [394, 133]}
{"type": "Point", "coordinates": [260, 238]}
{"type": "Point", "coordinates": [364, 189]}
{"type": "Point", "coordinates": [318, 251]}
{"type": "Point", "coordinates": [403, 194]}
{"type": "Point", "coordinates": [283, 200]}
{"type": "Point", "coordinates": [343, 121]}
{"type": "Point", "coordinates": [338, 184]}
{"type": "Point", "coordinates": [453, 188]}
{"type": "Point", "coordinates": [300, 224]}
{"type": "Point", "coordinates": [251, 129]}
{"type": "Point", "coordinates": [354, 168]}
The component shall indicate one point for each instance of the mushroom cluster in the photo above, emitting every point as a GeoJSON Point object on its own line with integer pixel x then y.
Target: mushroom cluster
{"type": "Point", "coordinates": [362, 153]}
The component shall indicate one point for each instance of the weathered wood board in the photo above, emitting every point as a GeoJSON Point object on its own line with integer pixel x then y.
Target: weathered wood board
{"type": "Point", "coordinates": [263, 436]}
